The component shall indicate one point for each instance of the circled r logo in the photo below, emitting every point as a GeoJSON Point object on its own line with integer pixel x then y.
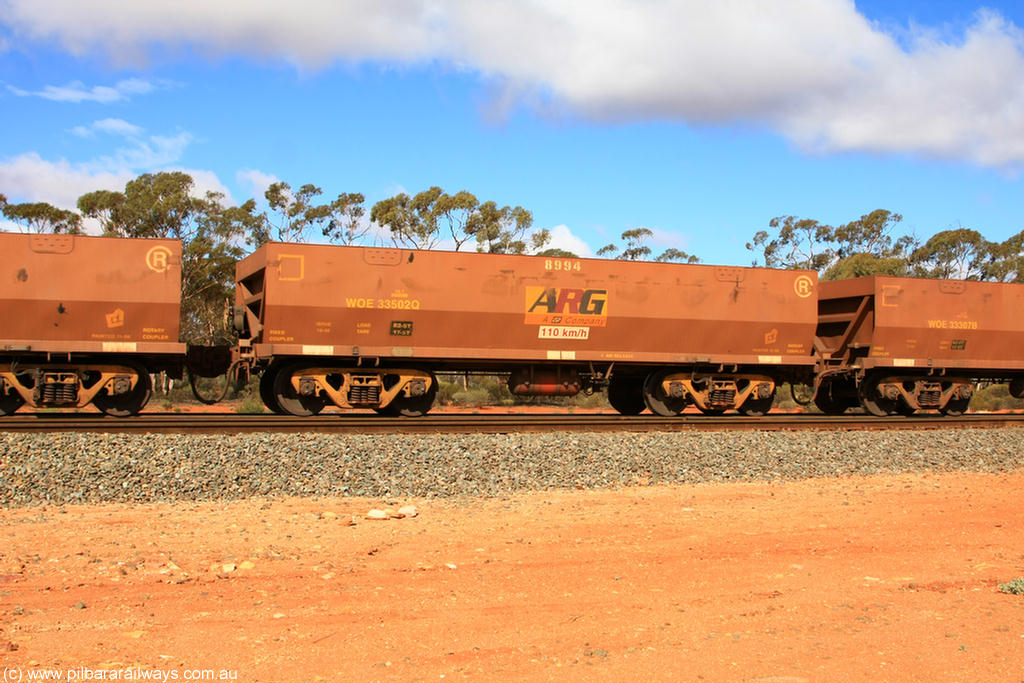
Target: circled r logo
{"type": "Point", "coordinates": [804, 286]}
{"type": "Point", "coordinates": [158, 259]}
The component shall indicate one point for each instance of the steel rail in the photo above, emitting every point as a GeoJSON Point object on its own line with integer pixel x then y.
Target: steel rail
{"type": "Point", "coordinates": [231, 423]}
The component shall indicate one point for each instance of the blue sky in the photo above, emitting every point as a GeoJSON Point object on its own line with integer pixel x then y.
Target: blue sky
{"type": "Point", "coordinates": [698, 120]}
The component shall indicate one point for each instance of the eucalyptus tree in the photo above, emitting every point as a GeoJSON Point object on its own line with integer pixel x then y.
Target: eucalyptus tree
{"type": "Point", "coordinates": [636, 249]}
{"type": "Point", "coordinates": [40, 217]}
{"type": "Point", "coordinates": [211, 234]}
{"type": "Point", "coordinates": [959, 253]}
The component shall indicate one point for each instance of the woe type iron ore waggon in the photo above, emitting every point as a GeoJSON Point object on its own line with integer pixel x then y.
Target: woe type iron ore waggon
{"type": "Point", "coordinates": [370, 328]}
{"type": "Point", "coordinates": [85, 319]}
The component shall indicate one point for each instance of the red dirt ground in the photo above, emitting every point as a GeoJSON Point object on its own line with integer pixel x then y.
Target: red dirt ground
{"type": "Point", "coordinates": [888, 578]}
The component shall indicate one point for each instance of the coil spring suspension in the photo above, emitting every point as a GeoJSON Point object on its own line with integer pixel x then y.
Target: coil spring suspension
{"type": "Point", "coordinates": [58, 389]}
{"type": "Point", "coordinates": [722, 397]}
{"type": "Point", "coordinates": [364, 395]}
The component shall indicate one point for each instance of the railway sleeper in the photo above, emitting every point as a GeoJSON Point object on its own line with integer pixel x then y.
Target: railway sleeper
{"type": "Point", "coordinates": [119, 390]}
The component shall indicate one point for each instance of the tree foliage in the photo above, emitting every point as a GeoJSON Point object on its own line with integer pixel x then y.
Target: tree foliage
{"type": "Point", "coordinates": [797, 243]}
{"type": "Point", "coordinates": [1005, 261]}
{"type": "Point", "coordinates": [40, 217]}
{"type": "Point", "coordinates": [432, 216]}
{"type": "Point", "coordinates": [865, 246]}
{"type": "Point", "coordinates": [163, 205]}
{"type": "Point", "coordinates": [412, 221]}
{"type": "Point", "coordinates": [959, 254]}
{"type": "Point", "coordinates": [501, 230]}
{"type": "Point", "coordinates": [870, 245]}
{"type": "Point", "coordinates": [636, 249]}
{"type": "Point", "coordinates": [297, 215]}
{"type": "Point", "coordinates": [676, 255]}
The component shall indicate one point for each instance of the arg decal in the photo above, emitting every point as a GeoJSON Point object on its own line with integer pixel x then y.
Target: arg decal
{"type": "Point", "coordinates": [566, 306]}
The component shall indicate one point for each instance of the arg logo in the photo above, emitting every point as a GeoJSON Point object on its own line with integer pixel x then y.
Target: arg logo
{"type": "Point", "coordinates": [566, 306]}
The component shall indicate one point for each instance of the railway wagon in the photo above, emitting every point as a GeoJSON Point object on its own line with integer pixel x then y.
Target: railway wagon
{"type": "Point", "coordinates": [898, 345]}
{"type": "Point", "coordinates": [359, 327]}
{"type": "Point", "coordinates": [86, 319]}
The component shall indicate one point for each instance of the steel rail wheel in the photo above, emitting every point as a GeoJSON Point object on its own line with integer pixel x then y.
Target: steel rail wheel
{"type": "Point", "coordinates": [130, 403]}
{"type": "Point", "coordinates": [873, 402]}
{"type": "Point", "coordinates": [10, 402]}
{"type": "Point", "coordinates": [267, 394]}
{"type": "Point", "coordinates": [289, 400]}
{"type": "Point", "coordinates": [657, 401]}
{"type": "Point", "coordinates": [835, 396]}
{"type": "Point", "coordinates": [626, 395]}
{"type": "Point", "coordinates": [758, 407]}
{"type": "Point", "coordinates": [955, 407]}
{"type": "Point", "coordinates": [412, 406]}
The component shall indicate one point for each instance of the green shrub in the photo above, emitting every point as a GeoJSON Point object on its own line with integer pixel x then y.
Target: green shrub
{"type": "Point", "coordinates": [250, 405]}
{"type": "Point", "coordinates": [1015, 587]}
{"type": "Point", "coordinates": [995, 397]}
{"type": "Point", "coordinates": [472, 398]}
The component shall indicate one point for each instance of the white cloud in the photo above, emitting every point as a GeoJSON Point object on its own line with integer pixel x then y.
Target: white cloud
{"type": "Point", "coordinates": [29, 177]}
{"type": "Point", "coordinates": [816, 71]}
{"type": "Point", "coordinates": [310, 32]}
{"type": "Point", "coordinates": [117, 127]}
{"type": "Point", "coordinates": [256, 182]}
{"type": "Point", "coordinates": [78, 92]}
{"type": "Point", "coordinates": [204, 181]}
{"type": "Point", "coordinates": [109, 126]}
{"type": "Point", "coordinates": [34, 179]}
{"type": "Point", "coordinates": [154, 152]}
{"type": "Point", "coordinates": [562, 238]}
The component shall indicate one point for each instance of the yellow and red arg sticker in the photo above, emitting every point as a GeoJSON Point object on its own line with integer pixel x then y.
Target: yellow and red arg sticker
{"type": "Point", "coordinates": [566, 306]}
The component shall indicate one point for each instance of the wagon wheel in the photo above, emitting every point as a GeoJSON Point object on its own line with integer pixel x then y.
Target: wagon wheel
{"type": "Point", "coordinates": [412, 406]}
{"type": "Point", "coordinates": [955, 407]}
{"type": "Point", "coordinates": [10, 402]}
{"type": "Point", "coordinates": [657, 401]}
{"type": "Point", "coordinates": [834, 396]}
{"type": "Point", "coordinates": [873, 402]}
{"type": "Point", "coordinates": [267, 394]}
{"type": "Point", "coordinates": [626, 395]}
{"type": "Point", "coordinates": [756, 407]}
{"type": "Point", "coordinates": [1016, 387]}
{"type": "Point", "coordinates": [131, 403]}
{"type": "Point", "coordinates": [289, 401]}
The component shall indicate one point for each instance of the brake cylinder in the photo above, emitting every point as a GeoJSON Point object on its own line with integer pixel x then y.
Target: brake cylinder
{"type": "Point", "coordinates": [544, 382]}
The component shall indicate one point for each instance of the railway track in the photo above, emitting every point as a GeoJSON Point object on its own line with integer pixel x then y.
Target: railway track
{"type": "Point", "coordinates": [231, 423]}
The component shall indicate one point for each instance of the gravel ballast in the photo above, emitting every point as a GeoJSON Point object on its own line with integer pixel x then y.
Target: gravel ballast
{"type": "Point", "coordinates": [62, 468]}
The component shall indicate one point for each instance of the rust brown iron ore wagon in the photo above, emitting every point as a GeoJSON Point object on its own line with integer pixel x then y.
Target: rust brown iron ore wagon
{"type": "Point", "coordinates": [898, 345]}
{"type": "Point", "coordinates": [368, 328]}
{"type": "Point", "coordinates": [86, 319]}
